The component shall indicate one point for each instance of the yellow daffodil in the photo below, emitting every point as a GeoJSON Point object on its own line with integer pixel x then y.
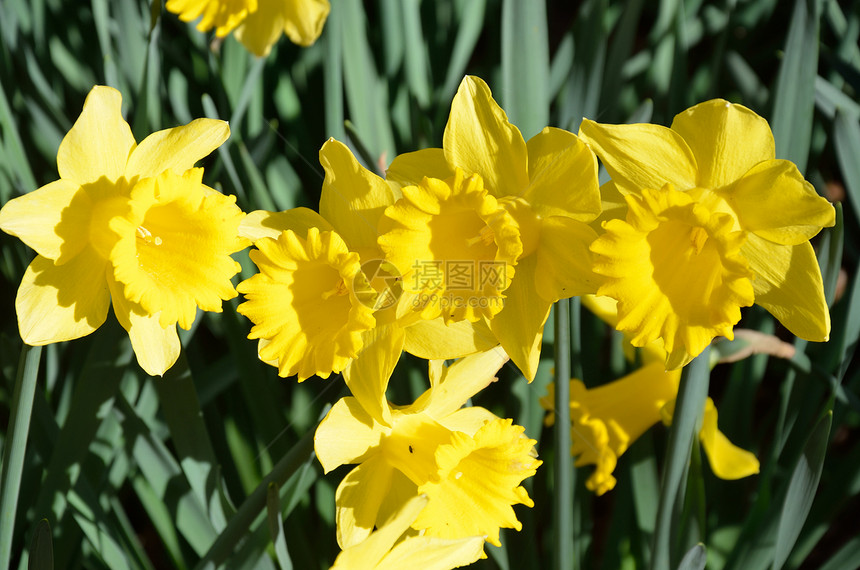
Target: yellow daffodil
{"type": "Point", "coordinates": [714, 222]}
{"type": "Point", "coordinates": [454, 245]}
{"type": "Point", "coordinates": [129, 223]}
{"type": "Point", "coordinates": [259, 24]}
{"type": "Point", "coordinates": [382, 551]}
{"type": "Point", "coordinates": [549, 187]}
{"type": "Point", "coordinates": [310, 302]}
{"type": "Point", "coordinates": [468, 462]}
{"type": "Point", "coordinates": [607, 419]}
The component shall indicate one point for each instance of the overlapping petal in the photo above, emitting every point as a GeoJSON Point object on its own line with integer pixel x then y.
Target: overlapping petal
{"type": "Point", "coordinates": [62, 302]}
{"type": "Point", "coordinates": [177, 149]}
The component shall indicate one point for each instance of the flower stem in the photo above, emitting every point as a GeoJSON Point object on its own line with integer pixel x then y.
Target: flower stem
{"type": "Point", "coordinates": [686, 423]}
{"type": "Point", "coordinates": [563, 487]}
{"type": "Point", "coordinates": [16, 446]}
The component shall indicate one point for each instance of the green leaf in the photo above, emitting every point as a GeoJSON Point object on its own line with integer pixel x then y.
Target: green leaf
{"type": "Point", "coordinates": [15, 446]}
{"type": "Point", "coordinates": [846, 143]}
{"type": "Point", "coordinates": [525, 65]}
{"type": "Point", "coordinates": [695, 558]}
{"type": "Point", "coordinates": [417, 68]}
{"type": "Point", "coordinates": [41, 548]}
{"type": "Point", "coordinates": [276, 526]}
{"type": "Point", "coordinates": [686, 422]}
{"type": "Point", "coordinates": [470, 23]}
{"type": "Point", "coordinates": [794, 93]}
{"type": "Point", "coordinates": [801, 490]}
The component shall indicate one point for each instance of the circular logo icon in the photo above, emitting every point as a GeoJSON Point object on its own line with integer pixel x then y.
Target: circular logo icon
{"type": "Point", "coordinates": [386, 280]}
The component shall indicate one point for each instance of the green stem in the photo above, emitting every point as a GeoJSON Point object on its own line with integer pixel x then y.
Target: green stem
{"type": "Point", "coordinates": [16, 446]}
{"type": "Point", "coordinates": [686, 423]}
{"type": "Point", "coordinates": [238, 526]}
{"type": "Point", "coordinates": [563, 486]}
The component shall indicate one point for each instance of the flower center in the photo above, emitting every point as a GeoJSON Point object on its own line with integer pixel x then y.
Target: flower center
{"type": "Point", "coordinates": [144, 234]}
{"type": "Point", "coordinates": [339, 290]}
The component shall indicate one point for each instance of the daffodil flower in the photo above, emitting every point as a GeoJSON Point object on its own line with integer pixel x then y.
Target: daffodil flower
{"type": "Point", "coordinates": [467, 461]}
{"type": "Point", "coordinates": [258, 24]}
{"type": "Point", "coordinates": [304, 257]}
{"type": "Point", "coordinates": [549, 187]}
{"type": "Point", "coordinates": [607, 419]}
{"type": "Point", "coordinates": [714, 223]}
{"type": "Point", "coordinates": [382, 551]}
{"type": "Point", "coordinates": [129, 223]}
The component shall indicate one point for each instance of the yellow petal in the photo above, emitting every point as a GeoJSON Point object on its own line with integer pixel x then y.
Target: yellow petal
{"type": "Point", "coordinates": [727, 460]}
{"type": "Point", "coordinates": [367, 376]}
{"type": "Point", "coordinates": [433, 553]}
{"type": "Point", "coordinates": [155, 347]}
{"type": "Point", "coordinates": [788, 284]}
{"type": "Point", "coordinates": [564, 260]}
{"type": "Point", "coordinates": [480, 139]}
{"type": "Point", "coordinates": [62, 302]}
{"type": "Point", "coordinates": [176, 149]}
{"type": "Point", "coordinates": [468, 420]}
{"type": "Point", "coordinates": [519, 325]}
{"type": "Point", "coordinates": [35, 218]}
{"type": "Point", "coordinates": [410, 168]}
{"type": "Point", "coordinates": [346, 435]}
{"type": "Point", "coordinates": [773, 201]}
{"type": "Point", "coordinates": [613, 205]}
{"type": "Point", "coordinates": [434, 340]}
{"type": "Point", "coordinates": [261, 224]}
{"type": "Point", "coordinates": [563, 175]}
{"type": "Point", "coordinates": [223, 15]}
{"type": "Point", "coordinates": [358, 498]}
{"type": "Point", "coordinates": [353, 198]}
{"type": "Point", "coordinates": [641, 155]}
{"type": "Point", "coordinates": [100, 141]}
{"type": "Point", "coordinates": [459, 382]}
{"type": "Point", "coordinates": [727, 140]}
{"type": "Point", "coordinates": [369, 553]}
{"type": "Point", "coordinates": [301, 20]}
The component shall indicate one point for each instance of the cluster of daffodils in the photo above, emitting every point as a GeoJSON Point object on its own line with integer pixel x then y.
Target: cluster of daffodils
{"type": "Point", "coordinates": [456, 256]}
{"type": "Point", "coordinates": [258, 24]}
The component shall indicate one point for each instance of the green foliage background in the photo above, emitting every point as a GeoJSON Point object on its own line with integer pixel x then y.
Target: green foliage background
{"type": "Point", "coordinates": [213, 463]}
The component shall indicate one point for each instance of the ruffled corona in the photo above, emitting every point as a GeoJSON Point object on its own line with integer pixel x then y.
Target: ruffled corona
{"type": "Point", "coordinates": [455, 246]}
{"type": "Point", "coordinates": [676, 272]}
{"type": "Point", "coordinates": [478, 482]}
{"type": "Point", "coordinates": [174, 253]}
{"type": "Point", "coordinates": [305, 303]}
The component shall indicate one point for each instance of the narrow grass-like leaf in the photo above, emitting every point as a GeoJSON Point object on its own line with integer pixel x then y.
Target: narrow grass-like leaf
{"type": "Point", "coordinates": [470, 23]}
{"type": "Point", "coordinates": [846, 142]}
{"type": "Point", "coordinates": [525, 65]}
{"type": "Point", "coordinates": [695, 558]}
{"type": "Point", "coordinates": [829, 99]}
{"type": "Point", "coordinates": [333, 77]}
{"type": "Point", "coordinates": [184, 417]}
{"type": "Point", "coordinates": [794, 92]}
{"type": "Point", "coordinates": [801, 490]}
{"type": "Point", "coordinates": [256, 501]}
{"type": "Point", "coordinates": [417, 69]}
{"type": "Point", "coordinates": [12, 143]}
{"type": "Point", "coordinates": [15, 446]}
{"type": "Point", "coordinates": [847, 557]}
{"type": "Point", "coordinates": [365, 92]}
{"type": "Point", "coordinates": [563, 466]}
{"type": "Point", "coordinates": [41, 548]}
{"type": "Point", "coordinates": [687, 420]}
{"type": "Point", "coordinates": [276, 527]}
